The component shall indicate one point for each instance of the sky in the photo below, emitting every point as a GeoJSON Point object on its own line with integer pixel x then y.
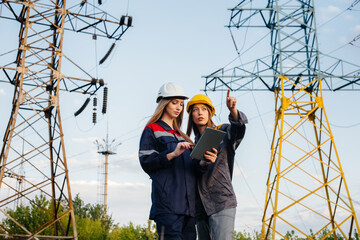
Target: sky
{"type": "Point", "coordinates": [181, 41]}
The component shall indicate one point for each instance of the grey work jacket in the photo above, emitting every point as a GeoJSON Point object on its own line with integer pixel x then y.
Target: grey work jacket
{"type": "Point", "coordinates": [214, 187]}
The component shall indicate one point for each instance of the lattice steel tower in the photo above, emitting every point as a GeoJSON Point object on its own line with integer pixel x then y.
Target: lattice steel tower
{"type": "Point", "coordinates": [105, 148]}
{"type": "Point", "coordinates": [36, 73]}
{"type": "Point", "coordinates": [305, 175]}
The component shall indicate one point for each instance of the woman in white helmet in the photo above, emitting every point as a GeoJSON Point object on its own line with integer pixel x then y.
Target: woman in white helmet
{"type": "Point", "coordinates": [164, 155]}
{"type": "Point", "coordinates": [215, 196]}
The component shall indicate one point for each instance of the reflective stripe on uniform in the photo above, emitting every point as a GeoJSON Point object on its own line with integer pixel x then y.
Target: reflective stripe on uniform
{"type": "Point", "coordinates": [159, 134]}
{"type": "Point", "coordinates": [180, 139]}
{"type": "Point", "coordinates": [147, 152]}
{"type": "Point", "coordinates": [163, 134]}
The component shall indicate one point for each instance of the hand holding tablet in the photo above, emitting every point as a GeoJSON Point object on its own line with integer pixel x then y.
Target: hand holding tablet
{"type": "Point", "coordinates": [211, 138]}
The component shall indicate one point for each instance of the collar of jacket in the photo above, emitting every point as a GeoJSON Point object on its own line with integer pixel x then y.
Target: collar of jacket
{"type": "Point", "coordinates": [166, 127]}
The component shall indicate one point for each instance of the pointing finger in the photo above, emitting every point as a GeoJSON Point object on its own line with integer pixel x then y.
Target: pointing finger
{"type": "Point", "coordinates": [228, 93]}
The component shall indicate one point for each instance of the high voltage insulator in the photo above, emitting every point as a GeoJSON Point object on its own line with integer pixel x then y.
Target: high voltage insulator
{"type": "Point", "coordinates": [107, 54]}
{"type": "Point", "coordinates": [122, 20]}
{"type": "Point", "coordinates": [82, 107]}
{"type": "Point", "coordinates": [105, 100]}
{"type": "Point", "coordinates": [94, 118]}
{"type": "Point", "coordinates": [129, 21]}
{"type": "Point", "coordinates": [94, 108]}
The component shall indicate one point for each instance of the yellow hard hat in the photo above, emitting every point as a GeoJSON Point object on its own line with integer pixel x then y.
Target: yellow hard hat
{"type": "Point", "coordinates": [203, 99]}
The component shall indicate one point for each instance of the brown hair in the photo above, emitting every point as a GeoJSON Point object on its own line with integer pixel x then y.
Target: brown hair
{"type": "Point", "coordinates": [192, 126]}
{"type": "Point", "coordinates": [159, 111]}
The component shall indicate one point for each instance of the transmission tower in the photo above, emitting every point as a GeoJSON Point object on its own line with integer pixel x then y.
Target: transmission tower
{"type": "Point", "coordinates": [38, 78]}
{"type": "Point", "coordinates": [305, 175]}
{"type": "Point", "coordinates": [106, 148]}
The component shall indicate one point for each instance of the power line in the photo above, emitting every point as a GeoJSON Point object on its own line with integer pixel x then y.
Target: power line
{"type": "Point", "coordinates": [262, 121]}
{"type": "Point", "coordinates": [247, 184]}
{"type": "Point", "coordinates": [349, 126]}
{"type": "Point", "coordinates": [353, 4]}
{"type": "Point", "coordinates": [245, 37]}
{"type": "Point", "coordinates": [350, 43]}
{"type": "Point", "coordinates": [347, 9]}
{"type": "Point", "coordinates": [127, 8]}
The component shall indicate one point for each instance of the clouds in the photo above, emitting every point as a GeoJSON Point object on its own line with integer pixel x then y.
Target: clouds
{"type": "Point", "coordinates": [337, 26]}
{"type": "Point", "coordinates": [128, 162]}
{"type": "Point", "coordinates": [332, 10]}
{"type": "Point", "coordinates": [145, 58]}
{"type": "Point", "coordinates": [356, 32]}
{"type": "Point", "coordinates": [329, 17]}
{"type": "Point", "coordinates": [248, 216]}
{"type": "Point", "coordinates": [127, 201]}
{"type": "Point", "coordinates": [129, 188]}
{"type": "Point", "coordinates": [327, 13]}
{"type": "Point", "coordinates": [84, 140]}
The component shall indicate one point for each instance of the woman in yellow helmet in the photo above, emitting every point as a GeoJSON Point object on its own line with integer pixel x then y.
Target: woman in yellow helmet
{"type": "Point", "coordinates": [215, 196]}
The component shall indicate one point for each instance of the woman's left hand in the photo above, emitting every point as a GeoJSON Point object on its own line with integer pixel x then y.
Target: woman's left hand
{"type": "Point", "coordinates": [210, 157]}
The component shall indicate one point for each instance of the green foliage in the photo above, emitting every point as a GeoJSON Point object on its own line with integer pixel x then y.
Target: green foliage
{"type": "Point", "coordinates": [338, 235]}
{"type": "Point", "coordinates": [93, 212]}
{"type": "Point", "coordinates": [88, 229]}
{"type": "Point", "coordinates": [242, 236]}
{"type": "Point", "coordinates": [324, 235]}
{"type": "Point", "coordinates": [132, 232]}
{"type": "Point", "coordinates": [246, 235]}
{"type": "Point", "coordinates": [356, 234]}
{"type": "Point", "coordinates": [329, 237]}
{"type": "Point", "coordinates": [32, 217]}
{"type": "Point", "coordinates": [92, 224]}
{"type": "Point", "coordinates": [291, 235]}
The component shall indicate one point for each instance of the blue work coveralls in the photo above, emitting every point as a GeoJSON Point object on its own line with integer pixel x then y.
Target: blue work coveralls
{"type": "Point", "coordinates": [173, 182]}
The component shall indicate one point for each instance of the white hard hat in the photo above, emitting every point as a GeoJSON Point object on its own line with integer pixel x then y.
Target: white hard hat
{"type": "Point", "coordinates": [171, 90]}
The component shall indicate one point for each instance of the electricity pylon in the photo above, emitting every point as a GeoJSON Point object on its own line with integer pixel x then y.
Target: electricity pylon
{"type": "Point", "coordinates": [35, 123]}
{"type": "Point", "coordinates": [106, 149]}
{"type": "Point", "coordinates": [305, 179]}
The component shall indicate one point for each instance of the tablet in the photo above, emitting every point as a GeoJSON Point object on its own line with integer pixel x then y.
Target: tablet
{"type": "Point", "coordinates": [211, 138]}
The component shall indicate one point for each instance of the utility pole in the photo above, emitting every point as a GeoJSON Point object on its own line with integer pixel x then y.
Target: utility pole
{"type": "Point", "coordinates": [305, 175]}
{"type": "Point", "coordinates": [106, 149]}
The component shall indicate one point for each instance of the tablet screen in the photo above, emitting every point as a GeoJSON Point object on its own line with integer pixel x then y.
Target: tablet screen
{"type": "Point", "coordinates": [211, 138]}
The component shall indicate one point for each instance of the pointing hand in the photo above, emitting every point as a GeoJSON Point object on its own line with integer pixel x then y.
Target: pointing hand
{"type": "Point", "coordinates": [231, 104]}
{"type": "Point", "coordinates": [230, 101]}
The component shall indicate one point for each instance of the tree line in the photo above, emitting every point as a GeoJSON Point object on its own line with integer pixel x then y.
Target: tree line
{"type": "Point", "coordinates": [93, 224]}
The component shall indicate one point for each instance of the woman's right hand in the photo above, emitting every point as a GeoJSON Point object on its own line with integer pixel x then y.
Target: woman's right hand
{"type": "Point", "coordinates": [180, 148]}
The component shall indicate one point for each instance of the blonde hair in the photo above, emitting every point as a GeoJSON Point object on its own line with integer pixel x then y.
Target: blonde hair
{"type": "Point", "coordinates": [192, 126]}
{"type": "Point", "coordinates": [159, 112]}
